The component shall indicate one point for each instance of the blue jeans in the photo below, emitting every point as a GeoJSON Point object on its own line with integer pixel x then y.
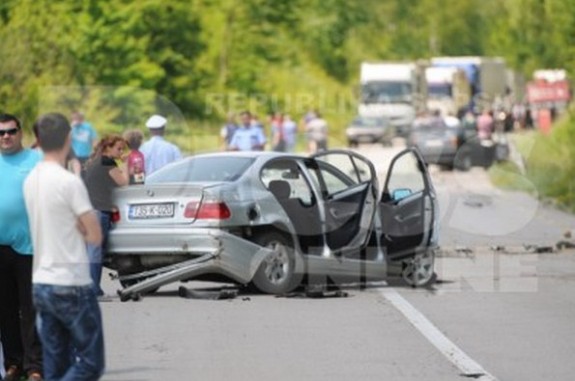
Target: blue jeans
{"type": "Point", "coordinates": [70, 327]}
{"type": "Point", "coordinates": [96, 252]}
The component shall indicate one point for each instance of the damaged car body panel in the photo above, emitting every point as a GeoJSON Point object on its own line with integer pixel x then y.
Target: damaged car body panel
{"type": "Point", "coordinates": [271, 219]}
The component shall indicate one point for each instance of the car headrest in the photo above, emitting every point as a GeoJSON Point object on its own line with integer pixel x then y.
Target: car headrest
{"type": "Point", "coordinates": [280, 189]}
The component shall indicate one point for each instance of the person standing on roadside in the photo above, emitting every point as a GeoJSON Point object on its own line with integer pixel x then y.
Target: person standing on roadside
{"type": "Point", "coordinates": [84, 137]}
{"type": "Point", "coordinates": [485, 125]}
{"type": "Point", "coordinates": [102, 176]}
{"type": "Point", "coordinates": [21, 344]}
{"type": "Point", "coordinates": [228, 130]}
{"type": "Point", "coordinates": [316, 130]}
{"type": "Point", "coordinates": [284, 133]}
{"type": "Point", "coordinates": [62, 221]}
{"type": "Point", "coordinates": [249, 136]}
{"type": "Point", "coordinates": [135, 160]}
{"type": "Point", "coordinates": [157, 151]}
{"type": "Point", "coordinates": [276, 132]}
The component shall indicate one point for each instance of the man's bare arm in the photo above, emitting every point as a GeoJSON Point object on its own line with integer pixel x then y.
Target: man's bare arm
{"type": "Point", "coordinates": [89, 226]}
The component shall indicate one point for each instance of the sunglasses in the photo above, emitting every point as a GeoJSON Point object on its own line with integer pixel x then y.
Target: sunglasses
{"type": "Point", "coordinates": [12, 132]}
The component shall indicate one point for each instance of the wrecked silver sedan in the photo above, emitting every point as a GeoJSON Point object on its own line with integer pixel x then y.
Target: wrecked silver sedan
{"type": "Point", "coordinates": [273, 220]}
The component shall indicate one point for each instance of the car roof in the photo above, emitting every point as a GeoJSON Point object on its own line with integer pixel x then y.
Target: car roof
{"type": "Point", "coordinates": [250, 154]}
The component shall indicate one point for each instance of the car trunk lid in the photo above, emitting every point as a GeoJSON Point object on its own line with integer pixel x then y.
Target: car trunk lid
{"type": "Point", "coordinates": [166, 204]}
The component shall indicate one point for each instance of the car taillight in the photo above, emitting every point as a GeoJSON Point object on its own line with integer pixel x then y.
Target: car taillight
{"type": "Point", "coordinates": [207, 210]}
{"type": "Point", "coordinates": [454, 141]}
{"type": "Point", "coordinates": [115, 217]}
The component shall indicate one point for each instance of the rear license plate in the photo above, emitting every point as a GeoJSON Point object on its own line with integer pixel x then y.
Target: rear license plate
{"type": "Point", "coordinates": [147, 211]}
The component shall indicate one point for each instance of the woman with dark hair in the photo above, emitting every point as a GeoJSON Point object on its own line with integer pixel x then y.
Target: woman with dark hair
{"type": "Point", "coordinates": [102, 176]}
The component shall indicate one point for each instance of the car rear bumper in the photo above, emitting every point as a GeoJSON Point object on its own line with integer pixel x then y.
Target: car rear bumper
{"type": "Point", "coordinates": [165, 241]}
{"type": "Point", "coordinates": [441, 155]}
{"type": "Point", "coordinates": [213, 251]}
{"type": "Point", "coordinates": [439, 158]}
{"type": "Point", "coordinates": [366, 135]}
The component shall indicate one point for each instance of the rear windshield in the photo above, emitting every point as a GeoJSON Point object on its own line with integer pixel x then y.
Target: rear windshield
{"type": "Point", "coordinates": [429, 123]}
{"type": "Point", "coordinates": [201, 169]}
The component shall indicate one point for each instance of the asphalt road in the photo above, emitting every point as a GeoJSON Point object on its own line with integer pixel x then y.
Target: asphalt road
{"type": "Point", "coordinates": [499, 312]}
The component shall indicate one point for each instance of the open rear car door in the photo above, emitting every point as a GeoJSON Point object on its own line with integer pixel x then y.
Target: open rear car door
{"type": "Point", "coordinates": [348, 185]}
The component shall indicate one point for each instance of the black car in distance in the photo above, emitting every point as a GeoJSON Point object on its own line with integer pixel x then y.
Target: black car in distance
{"type": "Point", "coordinates": [451, 144]}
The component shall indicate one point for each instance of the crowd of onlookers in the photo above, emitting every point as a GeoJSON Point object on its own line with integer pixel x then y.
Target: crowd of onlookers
{"type": "Point", "coordinates": [247, 133]}
{"type": "Point", "coordinates": [56, 213]}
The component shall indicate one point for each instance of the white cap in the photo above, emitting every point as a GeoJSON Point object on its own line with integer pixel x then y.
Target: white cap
{"type": "Point", "coordinates": [156, 121]}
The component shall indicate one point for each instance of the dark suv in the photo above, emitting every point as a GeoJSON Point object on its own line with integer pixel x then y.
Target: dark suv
{"type": "Point", "coordinates": [450, 144]}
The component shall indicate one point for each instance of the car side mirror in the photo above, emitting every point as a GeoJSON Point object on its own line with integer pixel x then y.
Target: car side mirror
{"type": "Point", "coordinates": [400, 193]}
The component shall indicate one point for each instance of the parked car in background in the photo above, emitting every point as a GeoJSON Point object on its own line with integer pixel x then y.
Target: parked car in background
{"type": "Point", "coordinates": [451, 144]}
{"type": "Point", "coordinates": [273, 219]}
{"type": "Point", "coordinates": [370, 129]}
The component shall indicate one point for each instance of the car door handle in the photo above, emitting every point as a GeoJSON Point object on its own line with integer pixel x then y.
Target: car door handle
{"type": "Point", "coordinates": [337, 214]}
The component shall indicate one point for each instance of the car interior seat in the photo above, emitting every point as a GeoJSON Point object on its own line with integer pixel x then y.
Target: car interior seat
{"type": "Point", "coordinates": [305, 220]}
{"type": "Point", "coordinates": [280, 189]}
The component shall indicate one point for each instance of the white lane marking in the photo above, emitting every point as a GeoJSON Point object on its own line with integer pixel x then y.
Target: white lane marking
{"type": "Point", "coordinates": [467, 366]}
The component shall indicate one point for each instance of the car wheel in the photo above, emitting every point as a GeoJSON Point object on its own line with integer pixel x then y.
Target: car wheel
{"type": "Point", "coordinates": [463, 162]}
{"type": "Point", "coordinates": [352, 144]}
{"type": "Point", "coordinates": [276, 272]}
{"type": "Point", "coordinates": [418, 271]}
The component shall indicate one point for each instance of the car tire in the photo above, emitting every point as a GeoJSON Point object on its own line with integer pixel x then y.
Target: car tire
{"type": "Point", "coordinates": [463, 162]}
{"type": "Point", "coordinates": [419, 270]}
{"type": "Point", "coordinates": [276, 272]}
{"type": "Point", "coordinates": [352, 144]}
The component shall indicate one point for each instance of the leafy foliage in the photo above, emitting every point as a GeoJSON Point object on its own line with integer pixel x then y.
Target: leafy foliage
{"type": "Point", "coordinates": [119, 61]}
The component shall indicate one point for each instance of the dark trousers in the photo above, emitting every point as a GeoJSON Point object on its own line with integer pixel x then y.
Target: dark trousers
{"type": "Point", "coordinates": [20, 341]}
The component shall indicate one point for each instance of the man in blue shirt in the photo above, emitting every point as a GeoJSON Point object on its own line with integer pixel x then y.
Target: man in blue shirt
{"type": "Point", "coordinates": [83, 137]}
{"type": "Point", "coordinates": [248, 137]}
{"type": "Point", "coordinates": [227, 131]}
{"type": "Point", "coordinates": [157, 151]}
{"type": "Point", "coordinates": [20, 342]}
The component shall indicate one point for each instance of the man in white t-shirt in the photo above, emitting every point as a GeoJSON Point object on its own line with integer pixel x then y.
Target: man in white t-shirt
{"type": "Point", "coordinates": [62, 221]}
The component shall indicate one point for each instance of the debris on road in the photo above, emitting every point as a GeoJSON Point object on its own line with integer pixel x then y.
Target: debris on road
{"type": "Point", "coordinates": [539, 249]}
{"type": "Point", "coordinates": [316, 292]}
{"type": "Point", "coordinates": [463, 249]}
{"type": "Point", "coordinates": [217, 294]}
{"type": "Point", "coordinates": [474, 251]}
{"type": "Point", "coordinates": [567, 242]}
{"type": "Point", "coordinates": [477, 200]}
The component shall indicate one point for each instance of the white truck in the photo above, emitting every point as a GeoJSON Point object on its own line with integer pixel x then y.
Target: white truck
{"type": "Point", "coordinates": [394, 90]}
{"type": "Point", "coordinates": [448, 89]}
{"type": "Point", "coordinates": [487, 77]}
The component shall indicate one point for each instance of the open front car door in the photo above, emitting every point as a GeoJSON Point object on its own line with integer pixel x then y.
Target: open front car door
{"type": "Point", "coordinates": [409, 215]}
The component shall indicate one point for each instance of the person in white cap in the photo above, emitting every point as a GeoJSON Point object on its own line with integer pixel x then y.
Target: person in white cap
{"type": "Point", "coordinates": [157, 151]}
